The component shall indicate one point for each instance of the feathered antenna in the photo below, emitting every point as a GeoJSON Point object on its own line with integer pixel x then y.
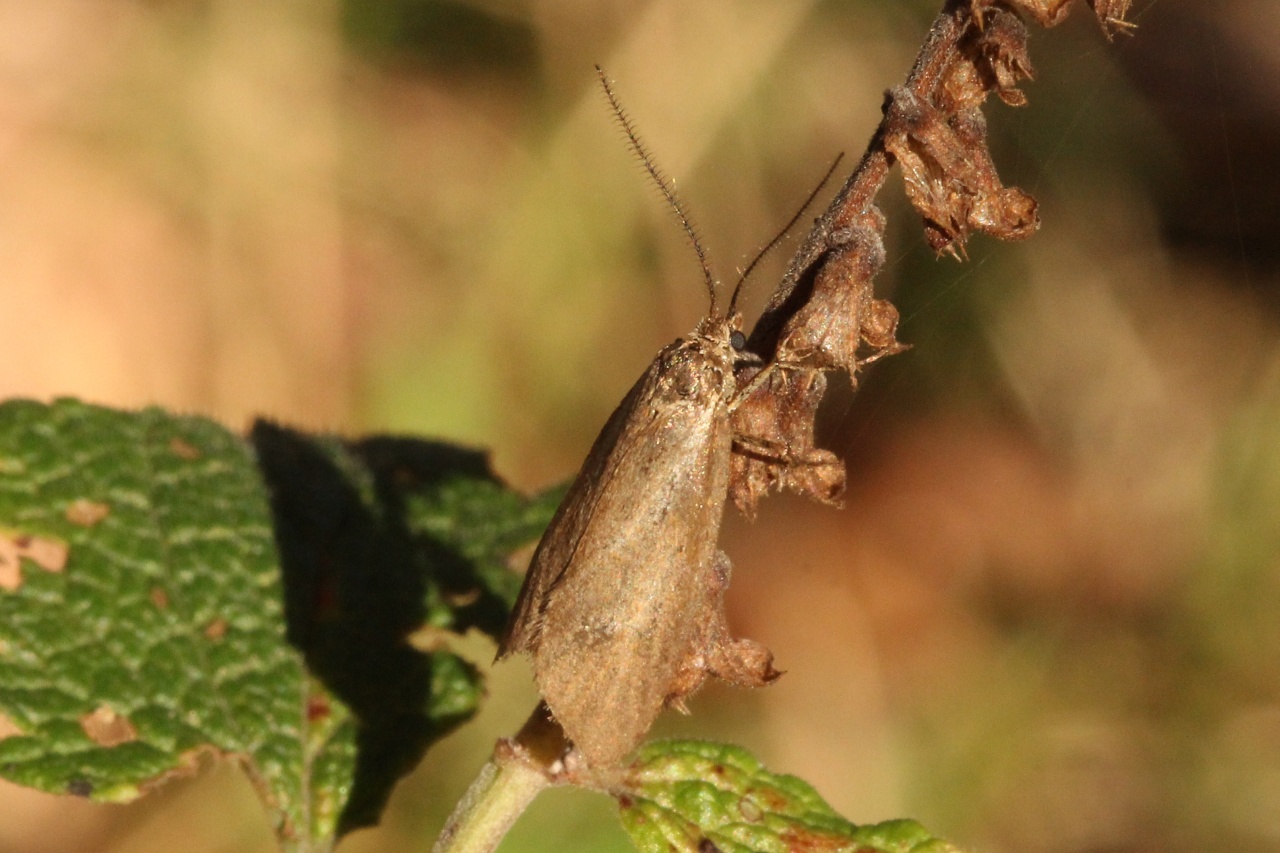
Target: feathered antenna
{"type": "Point", "coordinates": [777, 238]}
{"type": "Point", "coordinates": [664, 186]}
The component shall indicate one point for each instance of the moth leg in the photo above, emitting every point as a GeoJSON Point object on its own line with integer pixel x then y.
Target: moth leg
{"type": "Point", "coordinates": [813, 472]}
{"type": "Point", "coordinates": [773, 442]}
{"type": "Point", "coordinates": [777, 452]}
{"type": "Point", "coordinates": [754, 383]}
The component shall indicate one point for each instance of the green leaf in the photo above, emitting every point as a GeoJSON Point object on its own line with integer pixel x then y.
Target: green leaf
{"type": "Point", "coordinates": [696, 797]}
{"type": "Point", "coordinates": [389, 547]}
{"type": "Point", "coordinates": [484, 522]}
{"type": "Point", "coordinates": [144, 623]}
{"type": "Point", "coordinates": [159, 637]}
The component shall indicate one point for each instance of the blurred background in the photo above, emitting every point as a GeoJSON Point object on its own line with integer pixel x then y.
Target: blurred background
{"type": "Point", "coordinates": [1046, 619]}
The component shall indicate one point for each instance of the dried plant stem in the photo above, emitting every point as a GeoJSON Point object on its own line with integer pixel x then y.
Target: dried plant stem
{"type": "Point", "coordinates": [933, 129]}
{"type": "Point", "coordinates": [859, 191]}
{"type": "Point", "coordinates": [824, 315]}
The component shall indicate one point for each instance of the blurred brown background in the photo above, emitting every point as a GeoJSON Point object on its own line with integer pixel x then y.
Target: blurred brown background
{"type": "Point", "coordinates": [1046, 619]}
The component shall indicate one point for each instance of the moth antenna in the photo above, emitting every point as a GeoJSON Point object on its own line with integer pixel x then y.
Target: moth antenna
{"type": "Point", "coordinates": [660, 180]}
{"type": "Point", "coordinates": [777, 238]}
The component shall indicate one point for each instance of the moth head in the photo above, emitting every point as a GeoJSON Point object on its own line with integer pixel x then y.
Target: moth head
{"type": "Point", "coordinates": [725, 334]}
{"type": "Point", "coordinates": [701, 365]}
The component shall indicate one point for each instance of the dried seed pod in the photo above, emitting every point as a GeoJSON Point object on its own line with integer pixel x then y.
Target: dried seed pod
{"type": "Point", "coordinates": [828, 330]}
{"type": "Point", "coordinates": [950, 177]}
{"type": "Point", "coordinates": [993, 58]}
{"type": "Point", "coordinates": [823, 314]}
{"type": "Point", "coordinates": [781, 454]}
{"type": "Point", "coordinates": [1111, 14]}
{"type": "Point", "coordinates": [837, 316]}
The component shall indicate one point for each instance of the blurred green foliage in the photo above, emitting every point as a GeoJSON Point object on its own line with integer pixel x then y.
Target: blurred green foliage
{"type": "Point", "coordinates": [439, 35]}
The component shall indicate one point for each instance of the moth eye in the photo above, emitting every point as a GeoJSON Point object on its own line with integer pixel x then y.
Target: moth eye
{"type": "Point", "coordinates": [737, 340]}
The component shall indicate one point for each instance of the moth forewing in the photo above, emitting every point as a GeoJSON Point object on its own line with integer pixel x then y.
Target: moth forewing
{"type": "Point", "coordinates": [555, 552]}
{"type": "Point", "coordinates": [624, 593]}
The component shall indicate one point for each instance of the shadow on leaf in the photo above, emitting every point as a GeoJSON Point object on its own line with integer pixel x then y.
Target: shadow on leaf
{"type": "Point", "coordinates": [362, 572]}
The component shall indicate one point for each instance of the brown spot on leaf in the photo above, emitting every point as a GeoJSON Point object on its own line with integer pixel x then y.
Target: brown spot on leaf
{"type": "Point", "coordinates": [217, 629]}
{"type": "Point", "coordinates": [774, 801]}
{"type": "Point", "coordinates": [318, 708]}
{"type": "Point", "coordinates": [706, 845]}
{"type": "Point", "coordinates": [10, 565]}
{"type": "Point", "coordinates": [184, 449]}
{"type": "Point", "coordinates": [48, 554]}
{"type": "Point", "coordinates": [106, 728]}
{"type": "Point", "coordinates": [79, 787]}
{"type": "Point", "coordinates": [8, 728]}
{"type": "Point", "coordinates": [189, 763]}
{"type": "Point", "coordinates": [326, 602]}
{"type": "Point", "coordinates": [810, 841]}
{"type": "Point", "coordinates": [159, 598]}
{"type": "Point", "coordinates": [86, 513]}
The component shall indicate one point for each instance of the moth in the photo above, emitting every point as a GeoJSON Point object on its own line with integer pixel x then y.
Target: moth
{"type": "Point", "coordinates": [622, 609]}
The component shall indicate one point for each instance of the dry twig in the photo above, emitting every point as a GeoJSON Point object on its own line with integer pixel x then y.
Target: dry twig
{"type": "Point", "coordinates": [824, 316]}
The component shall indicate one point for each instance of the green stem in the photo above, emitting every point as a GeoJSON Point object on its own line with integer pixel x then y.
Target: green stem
{"type": "Point", "coordinates": [505, 787]}
{"type": "Point", "coordinates": [497, 797]}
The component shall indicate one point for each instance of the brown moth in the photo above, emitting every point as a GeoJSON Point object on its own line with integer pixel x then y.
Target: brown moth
{"type": "Point", "coordinates": [622, 610]}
